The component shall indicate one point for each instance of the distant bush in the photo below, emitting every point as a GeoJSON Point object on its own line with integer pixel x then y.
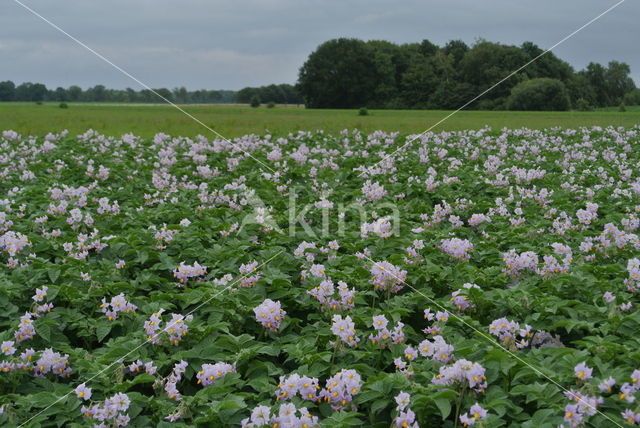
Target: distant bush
{"type": "Point", "coordinates": [539, 94]}
{"type": "Point", "coordinates": [622, 108]}
{"type": "Point", "coordinates": [632, 98]}
{"type": "Point", "coordinates": [363, 112]}
{"type": "Point", "coordinates": [39, 103]}
{"type": "Point", "coordinates": [583, 105]}
{"type": "Point", "coordinates": [255, 101]}
{"type": "Point", "coordinates": [271, 104]}
{"type": "Point", "coordinates": [63, 105]}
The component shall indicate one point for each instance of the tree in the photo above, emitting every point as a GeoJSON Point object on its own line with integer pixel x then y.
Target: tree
{"type": "Point", "coordinates": [60, 94]}
{"type": "Point", "coordinates": [163, 95]}
{"type": "Point", "coordinates": [255, 101]}
{"type": "Point", "coordinates": [545, 64]}
{"type": "Point", "coordinates": [486, 64]}
{"type": "Point", "coordinates": [596, 78]}
{"type": "Point", "coordinates": [181, 95]}
{"type": "Point", "coordinates": [539, 94]}
{"type": "Point", "coordinates": [7, 91]}
{"type": "Point", "coordinates": [28, 91]}
{"type": "Point", "coordinates": [75, 93]}
{"type": "Point", "coordinates": [456, 50]}
{"type": "Point", "coordinates": [618, 82]}
{"type": "Point", "coordinates": [632, 98]}
{"type": "Point", "coordinates": [97, 94]}
{"type": "Point", "coordinates": [340, 73]}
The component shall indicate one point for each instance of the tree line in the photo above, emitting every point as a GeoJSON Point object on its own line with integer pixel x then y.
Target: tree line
{"type": "Point", "coordinates": [38, 92]}
{"type": "Point", "coordinates": [279, 94]}
{"type": "Point", "coordinates": [351, 73]}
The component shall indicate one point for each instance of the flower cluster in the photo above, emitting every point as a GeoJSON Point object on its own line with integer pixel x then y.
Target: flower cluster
{"type": "Point", "coordinates": [313, 271]}
{"type": "Point", "coordinates": [249, 277]}
{"type": "Point", "coordinates": [25, 362]}
{"type": "Point", "coordinates": [476, 413]}
{"type": "Point", "coordinates": [38, 297]}
{"type": "Point", "coordinates": [269, 314]}
{"type": "Point", "coordinates": [52, 362]}
{"type": "Point", "coordinates": [340, 389]}
{"type": "Point", "coordinates": [405, 418]}
{"type": "Point", "coordinates": [509, 332]}
{"type": "Point", "coordinates": [387, 277]}
{"type": "Point", "coordinates": [373, 191]}
{"type": "Point", "coordinates": [575, 414]}
{"type": "Point", "coordinates": [382, 227]}
{"type": "Point", "coordinates": [212, 372]}
{"type": "Point", "coordinates": [163, 236]}
{"type": "Point", "coordinates": [14, 242]}
{"type": "Point", "coordinates": [477, 219]}
{"type": "Point", "coordinates": [345, 329]}
{"type": "Point", "coordinates": [111, 412]}
{"type": "Point", "coordinates": [589, 214]}
{"type": "Point", "coordinates": [176, 327]}
{"type": "Point", "coordinates": [413, 256]}
{"type": "Point", "coordinates": [118, 304]}
{"type": "Point", "coordinates": [288, 416]}
{"type": "Point", "coordinates": [106, 208]}
{"type": "Point", "coordinates": [138, 366]}
{"type": "Point", "coordinates": [25, 329]}
{"type": "Point", "coordinates": [306, 386]}
{"type": "Point", "coordinates": [383, 335]}
{"type": "Point", "coordinates": [633, 268]}
{"type": "Point", "coordinates": [460, 299]}
{"type": "Point", "coordinates": [171, 381]}
{"type": "Point", "coordinates": [437, 350]}
{"type": "Point", "coordinates": [516, 263]}
{"type": "Point", "coordinates": [457, 248]}
{"type": "Point", "coordinates": [185, 272]}
{"type": "Point", "coordinates": [439, 319]}
{"type": "Point", "coordinates": [464, 372]}
{"type": "Point", "coordinates": [325, 294]}
{"type": "Point", "coordinates": [585, 406]}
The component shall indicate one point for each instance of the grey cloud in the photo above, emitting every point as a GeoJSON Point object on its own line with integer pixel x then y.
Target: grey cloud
{"type": "Point", "coordinates": [231, 44]}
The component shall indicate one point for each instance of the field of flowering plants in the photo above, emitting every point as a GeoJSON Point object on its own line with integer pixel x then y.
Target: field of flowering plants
{"type": "Point", "coordinates": [481, 278]}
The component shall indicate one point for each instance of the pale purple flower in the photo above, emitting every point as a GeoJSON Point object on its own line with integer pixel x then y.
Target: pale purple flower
{"type": "Point", "coordinates": [457, 248]}
{"type": "Point", "coordinates": [572, 416]}
{"type": "Point", "coordinates": [7, 347]}
{"type": "Point", "coordinates": [83, 392]}
{"type": "Point", "coordinates": [341, 388]}
{"type": "Point", "coordinates": [462, 371]}
{"type": "Point", "coordinates": [583, 372]}
{"type": "Point", "coordinates": [212, 372]}
{"type": "Point", "coordinates": [269, 314]}
{"type": "Point", "coordinates": [185, 272]}
{"type": "Point", "coordinates": [345, 329]}
{"type": "Point", "coordinates": [607, 384]}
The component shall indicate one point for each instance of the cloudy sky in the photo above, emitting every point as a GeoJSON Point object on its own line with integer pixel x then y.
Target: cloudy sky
{"type": "Point", "coordinates": [235, 43]}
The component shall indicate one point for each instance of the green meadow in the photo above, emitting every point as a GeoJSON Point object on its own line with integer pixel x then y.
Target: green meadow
{"type": "Point", "coordinates": [233, 121]}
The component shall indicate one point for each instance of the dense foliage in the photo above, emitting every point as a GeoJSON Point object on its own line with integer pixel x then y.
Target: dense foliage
{"type": "Point", "coordinates": [539, 94]}
{"type": "Point", "coordinates": [484, 278]}
{"type": "Point", "coordinates": [28, 91]}
{"type": "Point", "coordinates": [279, 94]}
{"type": "Point", "coordinates": [351, 73]}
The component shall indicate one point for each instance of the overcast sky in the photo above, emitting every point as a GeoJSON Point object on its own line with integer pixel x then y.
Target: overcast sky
{"type": "Point", "coordinates": [236, 43]}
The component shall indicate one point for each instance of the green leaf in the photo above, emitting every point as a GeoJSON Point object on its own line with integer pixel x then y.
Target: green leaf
{"type": "Point", "coordinates": [44, 331]}
{"type": "Point", "coordinates": [444, 406]}
{"type": "Point", "coordinates": [103, 329]}
{"type": "Point", "coordinates": [54, 274]}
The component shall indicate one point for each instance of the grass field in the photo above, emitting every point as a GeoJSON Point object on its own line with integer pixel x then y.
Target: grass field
{"type": "Point", "coordinates": [234, 121]}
